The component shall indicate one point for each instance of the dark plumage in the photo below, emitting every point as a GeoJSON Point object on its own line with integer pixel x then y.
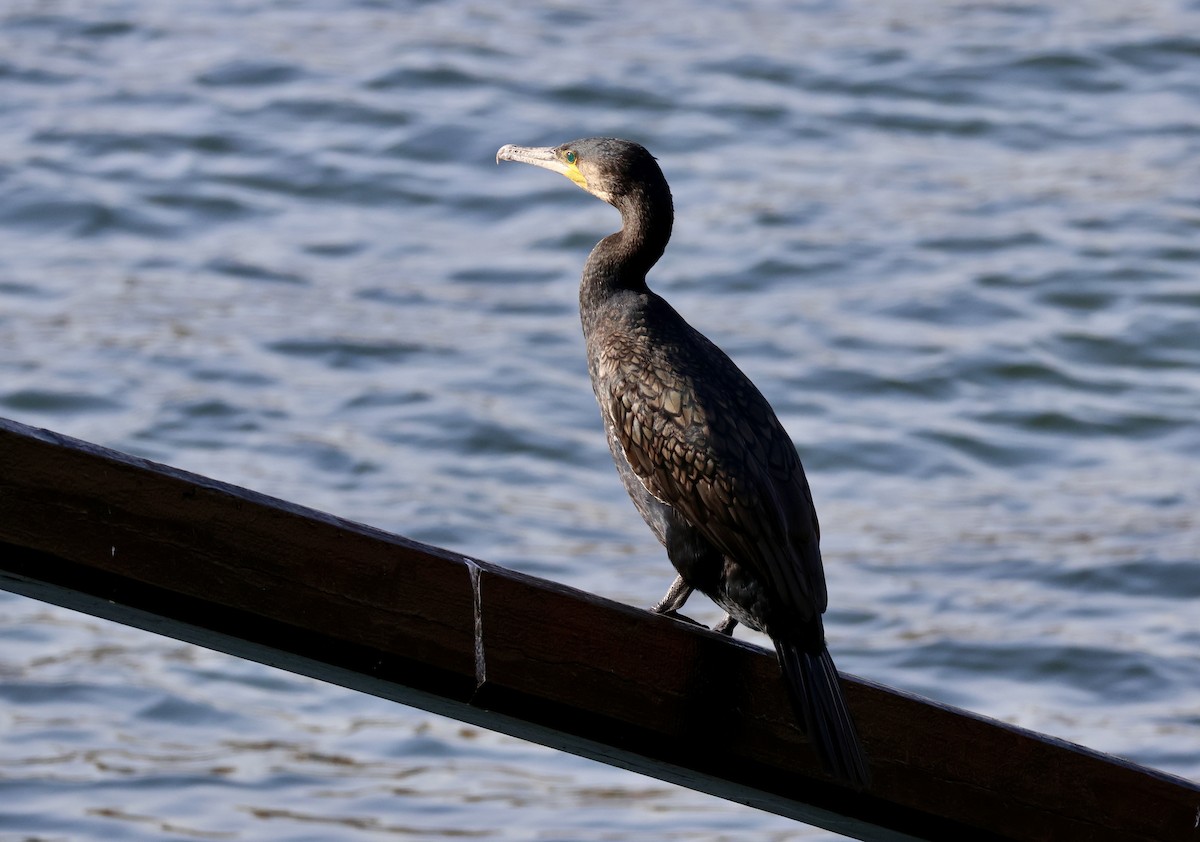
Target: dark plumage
{"type": "Point", "coordinates": [698, 447]}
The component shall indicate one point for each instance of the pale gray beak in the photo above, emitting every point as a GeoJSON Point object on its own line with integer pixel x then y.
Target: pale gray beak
{"type": "Point", "coordinates": [547, 158]}
{"type": "Point", "coordinates": [539, 156]}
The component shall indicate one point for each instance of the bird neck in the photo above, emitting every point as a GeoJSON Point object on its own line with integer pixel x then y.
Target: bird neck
{"type": "Point", "coordinates": [620, 261]}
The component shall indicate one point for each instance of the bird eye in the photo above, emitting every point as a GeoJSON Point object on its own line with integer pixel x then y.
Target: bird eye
{"type": "Point", "coordinates": [570, 156]}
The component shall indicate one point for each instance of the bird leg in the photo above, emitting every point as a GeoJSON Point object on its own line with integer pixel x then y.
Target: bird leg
{"type": "Point", "coordinates": [725, 626]}
{"type": "Point", "coordinates": [675, 597]}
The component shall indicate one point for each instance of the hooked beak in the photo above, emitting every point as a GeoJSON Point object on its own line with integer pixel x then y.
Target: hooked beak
{"type": "Point", "coordinates": [547, 158]}
{"type": "Point", "coordinates": [540, 156]}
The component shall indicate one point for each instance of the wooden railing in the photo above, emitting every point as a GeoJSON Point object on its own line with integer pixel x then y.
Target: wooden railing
{"type": "Point", "coordinates": [202, 561]}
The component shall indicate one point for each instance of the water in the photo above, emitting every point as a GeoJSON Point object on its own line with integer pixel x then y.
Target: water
{"type": "Point", "coordinates": [954, 243]}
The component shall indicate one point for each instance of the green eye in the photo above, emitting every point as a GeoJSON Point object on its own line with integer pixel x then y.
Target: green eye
{"type": "Point", "coordinates": [570, 156]}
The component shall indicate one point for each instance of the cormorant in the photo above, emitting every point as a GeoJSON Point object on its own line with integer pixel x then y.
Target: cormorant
{"type": "Point", "coordinates": [698, 447]}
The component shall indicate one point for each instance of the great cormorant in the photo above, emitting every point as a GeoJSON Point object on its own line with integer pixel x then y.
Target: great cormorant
{"type": "Point", "coordinates": [698, 447]}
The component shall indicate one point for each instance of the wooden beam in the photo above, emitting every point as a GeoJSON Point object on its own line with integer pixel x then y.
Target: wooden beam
{"type": "Point", "coordinates": [226, 568]}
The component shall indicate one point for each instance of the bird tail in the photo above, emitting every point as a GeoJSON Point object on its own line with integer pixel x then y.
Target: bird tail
{"type": "Point", "coordinates": [815, 692]}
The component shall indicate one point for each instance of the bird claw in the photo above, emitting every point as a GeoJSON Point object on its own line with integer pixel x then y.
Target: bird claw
{"type": "Point", "coordinates": [675, 615]}
{"type": "Point", "coordinates": [724, 627]}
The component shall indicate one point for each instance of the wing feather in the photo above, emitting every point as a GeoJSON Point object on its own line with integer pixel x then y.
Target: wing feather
{"type": "Point", "coordinates": [719, 456]}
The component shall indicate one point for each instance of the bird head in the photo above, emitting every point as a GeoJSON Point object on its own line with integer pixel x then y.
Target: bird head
{"type": "Point", "coordinates": [607, 167]}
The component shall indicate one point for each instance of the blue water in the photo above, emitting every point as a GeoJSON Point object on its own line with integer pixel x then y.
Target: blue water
{"type": "Point", "coordinates": [955, 243]}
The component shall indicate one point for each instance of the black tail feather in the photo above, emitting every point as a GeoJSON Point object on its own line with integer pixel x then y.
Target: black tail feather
{"type": "Point", "coordinates": [816, 695]}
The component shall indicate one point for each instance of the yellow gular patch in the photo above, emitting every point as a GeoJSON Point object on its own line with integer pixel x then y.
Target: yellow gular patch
{"type": "Point", "coordinates": [576, 176]}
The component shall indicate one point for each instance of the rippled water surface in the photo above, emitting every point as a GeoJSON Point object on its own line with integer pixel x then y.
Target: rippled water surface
{"type": "Point", "coordinates": [957, 244]}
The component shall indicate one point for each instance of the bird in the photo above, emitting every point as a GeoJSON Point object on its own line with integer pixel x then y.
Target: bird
{"type": "Point", "coordinates": [698, 448]}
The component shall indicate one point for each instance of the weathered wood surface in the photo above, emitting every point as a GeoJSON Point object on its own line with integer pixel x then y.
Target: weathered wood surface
{"type": "Point", "coordinates": [198, 560]}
